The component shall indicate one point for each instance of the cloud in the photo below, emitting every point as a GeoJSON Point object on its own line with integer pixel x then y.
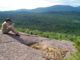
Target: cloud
{"type": "Point", "coordinates": [30, 4]}
{"type": "Point", "coordinates": [55, 1]}
{"type": "Point", "coordinates": [66, 2]}
{"type": "Point", "coordinates": [18, 4]}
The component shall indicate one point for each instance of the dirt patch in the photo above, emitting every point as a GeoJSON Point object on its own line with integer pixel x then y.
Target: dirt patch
{"type": "Point", "coordinates": [53, 52]}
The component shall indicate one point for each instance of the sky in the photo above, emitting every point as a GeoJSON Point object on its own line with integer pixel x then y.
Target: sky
{"type": "Point", "coordinates": [6, 5]}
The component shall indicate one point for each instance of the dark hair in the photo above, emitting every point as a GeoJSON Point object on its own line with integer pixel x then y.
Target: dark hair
{"type": "Point", "coordinates": [8, 19]}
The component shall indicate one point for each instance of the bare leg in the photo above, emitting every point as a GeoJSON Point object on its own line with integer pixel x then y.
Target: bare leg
{"type": "Point", "coordinates": [13, 30]}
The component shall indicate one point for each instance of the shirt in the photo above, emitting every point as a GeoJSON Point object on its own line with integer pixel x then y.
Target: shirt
{"type": "Point", "coordinates": [5, 26]}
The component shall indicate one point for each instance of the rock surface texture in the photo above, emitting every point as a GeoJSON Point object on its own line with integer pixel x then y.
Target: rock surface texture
{"type": "Point", "coordinates": [29, 47]}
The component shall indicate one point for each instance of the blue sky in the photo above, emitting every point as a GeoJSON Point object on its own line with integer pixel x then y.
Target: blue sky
{"type": "Point", "coordinates": [31, 4]}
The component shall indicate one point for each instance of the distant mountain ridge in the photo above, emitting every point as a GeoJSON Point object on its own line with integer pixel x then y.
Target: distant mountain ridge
{"type": "Point", "coordinates": [56, 8]}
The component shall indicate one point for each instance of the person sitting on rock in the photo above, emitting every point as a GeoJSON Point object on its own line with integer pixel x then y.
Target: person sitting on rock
{"type": "Point", "coordinates": [7, 26]}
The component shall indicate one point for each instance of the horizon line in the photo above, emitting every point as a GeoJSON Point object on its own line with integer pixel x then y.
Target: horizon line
{"type": "Point", "coordinates": [35, 8]}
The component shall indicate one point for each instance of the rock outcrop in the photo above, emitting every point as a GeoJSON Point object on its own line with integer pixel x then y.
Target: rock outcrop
{"type": "Point", "coordinates": [12, 49]}
{"type": "Point", "coordinates": [31, 47]}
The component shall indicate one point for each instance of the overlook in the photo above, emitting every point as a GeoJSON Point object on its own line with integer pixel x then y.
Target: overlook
{"type": "Point", "coordinates": [32, 47]}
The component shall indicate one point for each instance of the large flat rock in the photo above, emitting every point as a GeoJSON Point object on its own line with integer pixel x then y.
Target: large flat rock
{"type": "Point", "coordinates": [19, 47]}
{"type": "Point", "coordinates": [18, 51]}
{"type": "Point", "coordinates": [13, 49]}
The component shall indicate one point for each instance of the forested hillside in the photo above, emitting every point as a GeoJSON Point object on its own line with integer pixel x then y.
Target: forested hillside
{"type": "Point", "coordinates": [57, 22]}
